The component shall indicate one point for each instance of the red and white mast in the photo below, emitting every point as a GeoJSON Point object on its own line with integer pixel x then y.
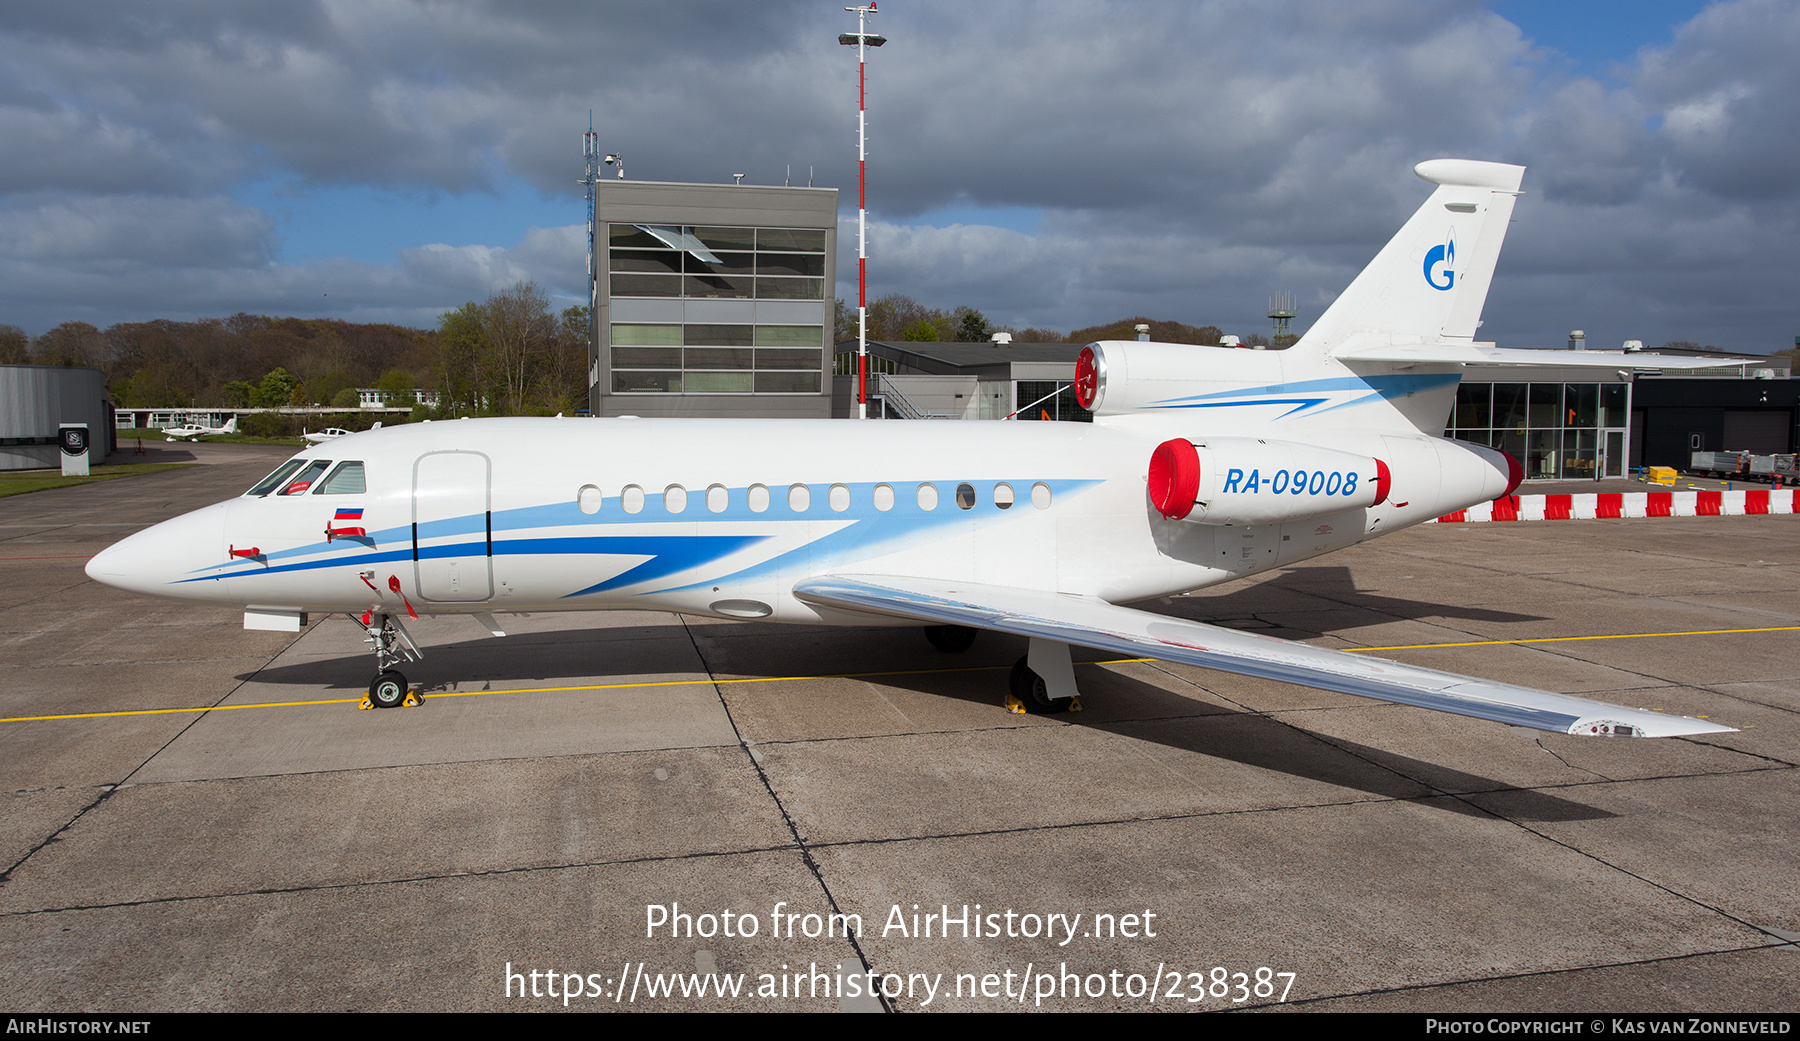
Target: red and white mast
{"type": "Point", "coordinates": [862, 40]}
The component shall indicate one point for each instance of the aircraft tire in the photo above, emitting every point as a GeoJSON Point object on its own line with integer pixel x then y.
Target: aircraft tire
{"type": "Point", "coordinates": [951, 639]}
{"type": "Point", "coordinates": [1031, 691]}
{"type": "Point", "coordinates": [387, 689]}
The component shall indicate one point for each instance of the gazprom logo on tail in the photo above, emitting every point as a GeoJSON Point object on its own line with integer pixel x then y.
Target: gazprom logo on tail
{"type": "Point", "coordinates": [1445, 255]}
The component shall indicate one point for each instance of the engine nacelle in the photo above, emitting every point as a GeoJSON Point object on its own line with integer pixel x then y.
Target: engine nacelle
{"type": "Point", "coordinates": [1115, 377]}
{"type": "Point", "coordinates": [1243, 480]}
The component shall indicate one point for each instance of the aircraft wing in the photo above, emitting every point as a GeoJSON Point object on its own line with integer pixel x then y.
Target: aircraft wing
{"type": "Point", "coordinates": [1478, 354]}
{"type": "Point", "coordinates": [1091, 622]}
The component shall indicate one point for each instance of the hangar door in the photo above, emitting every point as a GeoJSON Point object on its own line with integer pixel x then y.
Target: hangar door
{"type": "Point", "coordinates": [1760, 431]}
{"type": "Point", "coordinates": [452, 537]}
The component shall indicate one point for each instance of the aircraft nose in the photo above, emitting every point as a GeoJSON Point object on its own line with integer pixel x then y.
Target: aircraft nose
{"type": "Point", "coordinates": [162, 559]}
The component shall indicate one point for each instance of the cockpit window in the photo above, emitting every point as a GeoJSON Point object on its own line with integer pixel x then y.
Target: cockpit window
{"type": "Point", "coordinates": [347, 479]}
{"type": "Point", "coordinates": [304, 480]}
{"type": "Point", "coordinates": [269, 483]}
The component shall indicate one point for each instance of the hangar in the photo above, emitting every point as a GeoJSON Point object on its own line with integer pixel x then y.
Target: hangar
{"type": "Point", "coordinates": [36, 399]}
{"type": "Point", "coordinates": [1560, 421]}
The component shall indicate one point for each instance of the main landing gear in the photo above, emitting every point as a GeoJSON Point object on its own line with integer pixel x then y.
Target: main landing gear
{"type": "Point", "coordinates": [392, 646]}
{"type": "Point", "coordinates": [951, 639]}
{"type": "Point", "coordinates": [1042, 682]}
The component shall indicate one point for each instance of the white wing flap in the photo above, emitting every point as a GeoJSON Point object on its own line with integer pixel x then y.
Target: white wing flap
{"type": "Point", "coordinates": [1090, 622]}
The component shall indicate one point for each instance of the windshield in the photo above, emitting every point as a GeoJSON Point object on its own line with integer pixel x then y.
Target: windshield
{"type": "Point", "coordinates": [267, 484]}
{"type": "Point", "coordinates": [347, 478]}
{"type": "Point", "coordinates": [301, 483]}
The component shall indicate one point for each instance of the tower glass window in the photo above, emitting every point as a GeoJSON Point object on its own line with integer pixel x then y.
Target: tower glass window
{"type": "Point", "coordinates": [697, 262]}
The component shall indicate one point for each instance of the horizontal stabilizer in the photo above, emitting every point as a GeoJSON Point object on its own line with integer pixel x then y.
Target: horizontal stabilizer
{"type": "Point", "coordinates": [1090, 622]}
{"type": "Point", "coordinates": [1482, 354]}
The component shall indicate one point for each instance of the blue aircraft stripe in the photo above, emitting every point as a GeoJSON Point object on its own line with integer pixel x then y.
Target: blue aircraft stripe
{"type": "Point", "coordinates": [668, 553]}
{"type": "Point", "coordinates": [311, 565]}
{"type": "Point", "coordinates": [1300, 404]}
{"type": "Point", "coordinates": [1385, 387]}
{"type": "Point", "coordinates": [858, 539]}
{"type": "Point", "coordinates": [867, 527]}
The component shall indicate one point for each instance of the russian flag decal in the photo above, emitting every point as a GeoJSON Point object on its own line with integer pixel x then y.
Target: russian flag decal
{"type": "Point", "coordinates": [346, 523]}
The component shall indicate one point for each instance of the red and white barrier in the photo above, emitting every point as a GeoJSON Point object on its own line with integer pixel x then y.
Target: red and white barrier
{"type": "Point", "coordinates": [1743, 502]}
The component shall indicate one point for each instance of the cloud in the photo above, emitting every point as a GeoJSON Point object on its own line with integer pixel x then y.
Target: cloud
{"type": "Point", "coordinates": [1185, 160]}
{"type": "Point", "coordinates": [109, 231]}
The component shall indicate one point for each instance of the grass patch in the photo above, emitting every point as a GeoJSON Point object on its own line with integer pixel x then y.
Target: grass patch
{"type": "Point", "coordinates": [18, 482]}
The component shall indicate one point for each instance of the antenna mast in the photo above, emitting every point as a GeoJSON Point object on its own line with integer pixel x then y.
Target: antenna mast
{"type": "Point", "coordinates": [590, 153]}
{"type": "Point", "coordinates": [862, 40]}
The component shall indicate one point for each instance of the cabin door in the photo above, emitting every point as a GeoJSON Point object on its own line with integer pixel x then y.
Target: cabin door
{"type": "Point", "coordinates": [452, 527]}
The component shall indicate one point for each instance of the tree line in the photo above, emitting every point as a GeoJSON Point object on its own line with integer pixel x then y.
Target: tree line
{"type": "Point", "coordinates": [895, 318]}
{"type": "Point", "coordinates": [507, 355]}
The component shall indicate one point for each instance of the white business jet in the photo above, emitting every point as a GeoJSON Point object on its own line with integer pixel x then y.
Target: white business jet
{"type": "Point", "coordinates": [1203, 465]}
{"type": "Point", "coordinates": [196, 431]}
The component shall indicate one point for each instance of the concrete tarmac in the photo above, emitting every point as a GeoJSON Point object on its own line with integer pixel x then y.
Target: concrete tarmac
{"type": "Point", "coordinates": [564, 783]}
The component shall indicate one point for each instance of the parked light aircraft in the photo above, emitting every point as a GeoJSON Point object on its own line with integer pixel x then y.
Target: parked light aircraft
{"type": "Point", "coordinates": [1203, 465]}
{"type": "Point", "coordinates": [319, 437]}
{"type": "Point", "coordinates": [196, 431]}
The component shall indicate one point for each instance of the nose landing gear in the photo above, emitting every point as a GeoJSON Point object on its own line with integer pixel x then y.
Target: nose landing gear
{"type": "Point", "coordinates": [392, 645]}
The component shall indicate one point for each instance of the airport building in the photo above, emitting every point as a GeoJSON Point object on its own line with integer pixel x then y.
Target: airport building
{"type": "Point", "coordinates": [1563, 423]}
{"type": "Point", "coordinates": [944, 380]}
{"type": "Point", "coordinates": [713, 300]}
{"type": "Point", "coordinates": [35, 400]}
{"type": "Point", "coordinates": [1560, 422]}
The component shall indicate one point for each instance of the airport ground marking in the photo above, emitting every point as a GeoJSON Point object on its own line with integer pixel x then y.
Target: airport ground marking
{"type": "Point", "coordinates": [1571, 639]}
{"type": "Point", "coordinates": [836, 676]}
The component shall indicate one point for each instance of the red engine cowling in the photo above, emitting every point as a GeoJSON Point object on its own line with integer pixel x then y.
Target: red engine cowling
{"type": "Point", "coordinates": [1242, 480]}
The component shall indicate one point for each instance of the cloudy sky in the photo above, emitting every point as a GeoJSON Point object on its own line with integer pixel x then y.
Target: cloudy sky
{"type": "Point", "coordinates": [1050, 164]}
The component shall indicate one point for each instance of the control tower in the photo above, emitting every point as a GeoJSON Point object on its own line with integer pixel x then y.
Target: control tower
{"type": "Point", "coordinates": [1281, 312]}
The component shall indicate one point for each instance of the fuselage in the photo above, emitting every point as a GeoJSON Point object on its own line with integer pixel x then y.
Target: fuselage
{"type": "Point", "coordinates": [724, 516]}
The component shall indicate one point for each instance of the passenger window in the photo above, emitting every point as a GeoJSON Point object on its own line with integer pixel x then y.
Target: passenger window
{"type": "Point", "coordinates": [1040, 496]}
{"type": "Point", "coordinates": [313, 472]}
{"type": "Point", "coordinates": [799, 498]}
{"type": "Point", "coordinates": [632, 498]}
{"type": "Point", "coordinates": [884, 497]}
{"type": "Point", "coordinates": [840, 498]}
{"type": "Point", "coordinates": [965, 496]}
{"type": "Point", "coordinates": [347, 479]}
{"type": "Point", "coordinates": [758, 498]}
{"type": "Point", "coordinates": [717, 498]}
{"type": "Point", "coordinates": [1003, 496]}
{"type": "Point", "coordinates": [588, 499]}
{"type": "Point", "coordinates": [675, 498]}
{"type": "Point", "coordinates": [928, 496]}
{"type": "Point", "coordinates": [273, 481]}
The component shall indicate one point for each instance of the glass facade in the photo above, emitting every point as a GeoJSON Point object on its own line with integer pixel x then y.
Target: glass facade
{"type": "Point", "coordinates": [687, 262]}
{"type": "Point", "coordinates": [845, 365]}
{"type": "Point", "coordinates": [1063, 406]}
{"type": "Point", "coordinates": [1557, 430]}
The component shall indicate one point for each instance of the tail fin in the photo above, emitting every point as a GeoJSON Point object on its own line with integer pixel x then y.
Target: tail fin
{"type": "Point", "coordinates": [1428, 284]}
{"type": "Point", "coordinates": [231, 426]}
